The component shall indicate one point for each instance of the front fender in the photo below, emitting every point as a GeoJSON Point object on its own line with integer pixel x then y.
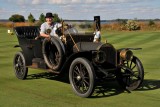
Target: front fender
{"type": "Point", "coordinates": [86, 54]}
{"type": "Point", "coordinates": [129, 49]}
{"type": "Point", "coordinates": [125, 54]}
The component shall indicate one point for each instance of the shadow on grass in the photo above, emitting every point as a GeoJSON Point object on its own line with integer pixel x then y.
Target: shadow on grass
{"type": "Point", "coordinates": [112, 88]}
{"type": "Point", "coordinates": [106, 88]}
{"type": "Point", "coordinates": [149, 84]}
{"type": "Point", "coordinates": [64, 77]}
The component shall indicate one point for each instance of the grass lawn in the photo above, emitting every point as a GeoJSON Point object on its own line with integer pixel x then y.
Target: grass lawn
{"type": "Point", "coordinates": [42, 89]}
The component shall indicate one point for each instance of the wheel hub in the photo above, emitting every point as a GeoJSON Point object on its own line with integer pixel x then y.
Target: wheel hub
{"type": "Point", "coordinates": [18, 66]}
{"type": "Point", "coordinates": [78, 77]}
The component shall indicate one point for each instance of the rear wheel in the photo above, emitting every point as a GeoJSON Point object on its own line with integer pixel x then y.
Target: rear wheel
{"type": "Point", "coordinates": [82, 77]}
{"type": "Point", "coordinates": [19, 65]}
{"type": "Point", "coordinates": [131, 74]}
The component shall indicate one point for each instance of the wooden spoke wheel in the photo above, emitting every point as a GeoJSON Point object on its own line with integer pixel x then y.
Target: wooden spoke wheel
{"type": "Point", "coordinates": [131, 74]}
{"type": "Point", "coordinates": [82, 77]}
{"type": "Point", "coordinates": [19, 65]}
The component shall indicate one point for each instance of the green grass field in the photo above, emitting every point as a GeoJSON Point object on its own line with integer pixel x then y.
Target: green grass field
{"type": "Point", "coordinates": [43, 90]}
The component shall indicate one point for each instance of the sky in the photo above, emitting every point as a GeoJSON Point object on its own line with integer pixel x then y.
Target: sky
{"type": "Point", "coordinates": [83, 9]}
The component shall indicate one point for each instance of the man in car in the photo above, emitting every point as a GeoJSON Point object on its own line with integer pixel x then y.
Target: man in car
{"type": "Point", "coordinates": [49, 27]}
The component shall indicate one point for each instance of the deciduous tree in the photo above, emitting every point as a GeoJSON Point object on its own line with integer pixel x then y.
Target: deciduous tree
{"type": "Point", "coordinates": [17, 18]}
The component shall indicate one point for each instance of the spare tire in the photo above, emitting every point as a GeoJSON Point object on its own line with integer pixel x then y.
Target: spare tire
{"type": "Point", "coordinates": [52, 53]}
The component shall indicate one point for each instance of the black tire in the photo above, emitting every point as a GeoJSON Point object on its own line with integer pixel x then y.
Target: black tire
{"type": "Point", "coordinates": [19, 65]}
{"type": "Point", "coordinates": [52, 53]}
{"type": "Point", "coordinates": [82, 77]}
{"type": "Point", "coordinates": [131, 75]}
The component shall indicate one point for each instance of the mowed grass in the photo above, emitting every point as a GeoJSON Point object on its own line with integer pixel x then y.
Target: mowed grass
{"type": "Point", "coordinates": [42, 89]}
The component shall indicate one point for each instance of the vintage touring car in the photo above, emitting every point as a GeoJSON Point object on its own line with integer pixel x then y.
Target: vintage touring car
{"type": "Point", "coordinates": [86, 61]}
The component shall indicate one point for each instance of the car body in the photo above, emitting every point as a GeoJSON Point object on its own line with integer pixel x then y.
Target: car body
{"type": "Point", "coordinates": [86, 61]}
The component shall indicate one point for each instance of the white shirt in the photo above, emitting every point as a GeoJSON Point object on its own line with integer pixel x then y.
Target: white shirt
{"type": "Point", "coordinates": [45, 27]}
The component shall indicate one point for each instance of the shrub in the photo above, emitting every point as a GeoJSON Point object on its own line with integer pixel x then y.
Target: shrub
{"type": "Point", "coordinates": [132, 25]}
{"type": "Point", "coordinates": [151, 23]}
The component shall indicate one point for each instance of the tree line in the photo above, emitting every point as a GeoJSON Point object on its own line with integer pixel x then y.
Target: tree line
{"type": "Point", "coordinates": [31, 19]}
{"type": "Point", "coordinates": [122, 24]}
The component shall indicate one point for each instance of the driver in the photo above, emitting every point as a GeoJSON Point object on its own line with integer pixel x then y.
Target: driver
{"type": "Point", "coordinates": [49, 27]}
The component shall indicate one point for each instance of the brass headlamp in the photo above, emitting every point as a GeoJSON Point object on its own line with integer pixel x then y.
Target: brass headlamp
{"type": "Point", "coordinates": [126, 54]}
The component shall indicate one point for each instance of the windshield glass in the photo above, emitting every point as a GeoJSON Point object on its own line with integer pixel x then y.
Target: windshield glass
{"type": "Point", "coordinates": [79, 27]}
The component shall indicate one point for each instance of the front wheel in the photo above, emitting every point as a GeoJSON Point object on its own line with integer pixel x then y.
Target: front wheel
{"type": "Point", "coordinates": [131, 74]}
{"type": "Point", "coordinates": [19, 65]}
{"type": "Point", "coordinates": [82, 77]}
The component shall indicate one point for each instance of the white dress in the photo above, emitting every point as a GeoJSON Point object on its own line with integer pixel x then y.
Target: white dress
{"type": "Point", "coordinates": [97, 36]}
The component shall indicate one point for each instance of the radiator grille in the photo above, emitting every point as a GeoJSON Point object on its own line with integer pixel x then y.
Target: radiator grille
{"type": "Point", "coordinates": [111, 56]}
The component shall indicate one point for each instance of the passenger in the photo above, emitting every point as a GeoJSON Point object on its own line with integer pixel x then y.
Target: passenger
{"type": "Point", "coordinates": [97, 36]}
{"type": "Point", "coordinates": [49, 27]}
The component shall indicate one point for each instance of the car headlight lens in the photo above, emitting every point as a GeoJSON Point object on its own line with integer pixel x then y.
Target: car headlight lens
{"type": "Point", "coordinates": [126, 54]}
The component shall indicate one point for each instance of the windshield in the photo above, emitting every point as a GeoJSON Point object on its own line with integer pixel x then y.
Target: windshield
{"type": "Point", "coordinates": [79, 27]}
